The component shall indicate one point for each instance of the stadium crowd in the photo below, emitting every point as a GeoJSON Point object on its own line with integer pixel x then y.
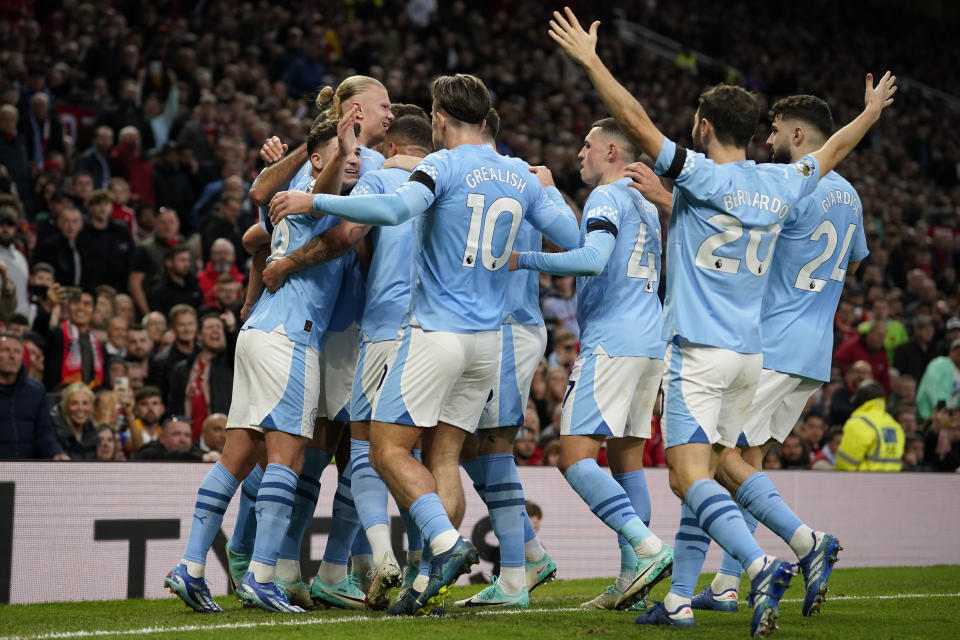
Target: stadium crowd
{"type": "Point", "coordinates": [130, 135]}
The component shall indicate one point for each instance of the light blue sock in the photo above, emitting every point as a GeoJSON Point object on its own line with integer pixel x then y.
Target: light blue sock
{"type": "Point", "coordinates": [305, 502]}
{"type": "Point", "coordinates": [245, 528]}
{"type": "Point", "coordinates": [607, 500]}
{"type": "Point", "coordinates": [758, 496]}
{"type": "Point", "coordinates": [430, 516]}
{"type": "Point", "coordinates": [634, 484]}
{"type": "Point", "coordinates": [414, 537]}
{"type": "Point", "coordinates": [720, 518]}
{"type": "Point", "coordinates": [528, 532]}
{"type": "Point", "coordinates": [274, 505]}
{"type": "Point", "coordinates": [368, 488]}
{"type": "Point", "coordinates": [213, 496]}
{"type": "Point", "coordinates": [345, 523]}
{"type": "Point", "coordinates": [475, 469]}
{"type": "Point", "coordinates": [504, 498]}
{"type": "Point", "coordinates": [424, 568]}
{"type": "Point", "coordinates": [730, 565]}
{"type": "Point", "coordinates": [690, 548]}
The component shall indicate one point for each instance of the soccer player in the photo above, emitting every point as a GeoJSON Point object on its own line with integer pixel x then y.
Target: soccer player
{"type": "Point", "coordinates": [726, 216]}
{"type": "Point", "coordinates": [276, 383]}
{"type": "Point", "coordinates": [615, 381]}
{"type": "Point", "coordinates": [524, 564]}
{"type": "Point", "coordinates": [805, 282]}
{"type": "Point", "coordinates": [387, 296]}
{"type": "Point", "coordinates": [468, 203]}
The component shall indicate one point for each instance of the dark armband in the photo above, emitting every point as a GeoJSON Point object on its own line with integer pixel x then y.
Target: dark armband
{"type": "Point", "coordinates": [676, 166]}
{"type": "Point", "coordinates": [424, 179]}
{"type": "Point", "coordinates": [602, 225]}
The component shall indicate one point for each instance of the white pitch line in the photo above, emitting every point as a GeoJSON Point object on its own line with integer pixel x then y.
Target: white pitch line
{"type": "Point", "coordinates": [300, 620]}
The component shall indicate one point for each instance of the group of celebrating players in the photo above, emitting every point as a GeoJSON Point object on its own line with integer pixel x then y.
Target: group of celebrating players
{"type": "Point", "coordinates": [396, 308]}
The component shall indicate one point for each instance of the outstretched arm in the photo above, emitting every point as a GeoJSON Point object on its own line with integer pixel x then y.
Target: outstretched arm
{"type": "Point", "coordinates": [588, 260]}
{"type": "Point", "coordinates": [382, 209]}
{"type": "Point", "coordinates": [324, 247]}
{"type": "Point", "coordinates": [581, 47]}
{"type": "Point", "coordinates": [875, 100]}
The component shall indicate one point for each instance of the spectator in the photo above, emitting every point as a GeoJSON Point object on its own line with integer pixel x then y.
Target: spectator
{"type": "Point", "coordinates": [176, 285]}
{"type": "Point", "coordinates": [127, 160]}
{"type": "Point", "coordinates": [868, 347]}
{"type": "Point", "coordinates": [25, 431]}
{"type": "Point", "coordinates": [827, 457]}
{"type": "Point", "coordinates": [840, 402]}
{"type": "Point", "coordinates": [183, 320]}
{"type": "Point", "coordinates": [794, 453]}
{"type": "Point", "coordinates": [35, 345]}
{"type": "Point", "coordinates": [551, 454]}
{"type": "Point", "coordinates": [904, 391]}
{"type": "Point", "coordinates": [938, 383]}
{"type": "Point", "coordinates": [872, 439]}
{"type": "Point", "coordinates": [771, 460]}
{"type": "Point", "coordinates": [16, 269]}
{"type": "Point", "coordinates": [906, 415]}
{"type": "Point", "coordinates": [148, 409]}
{"type": "Point", "coordinates": [148, 259]}
{"type": "Point", "coordinates": [61, 250]}
{"type": "Point", "coordinates": [72, 354]}
{"type": "Point", "coordinates": [202, 384]}
{"type": "Point", "coordinates": [913, 356]}
{"type": "Point", "coordinates": [73, 424]}
{"type": "Point", "coordinates": [174, 183]}
{"type": "Point", "coordinates": [560, 309]}
{"type": "Point", "coordinates": [39, 284]}
{"type": "Point", "coordinates": [942, 440]}
{"type": "Point", "coordinates": [123, 307]}
{"type": "Point", "coordinates": [116, 344]}
{"type": "Point", "coordinates": [13, 151]}
{"type": "Point", "coordinates": [174, 444]}
{"type": "Point", "coordinates": [137, 373]}
{"type": "Point", "coordinates": [564, 350]}
{"type": "Point", "coordinates": [81, 186]}
{"type": "Point", "coordinates": [96, 159]}
{"type": "Point", "coordinates": [139, 346]}
{"type": "Point", "coordinates": [121, 212]}
{"type": "Point", "coordinates": [108, 448]}
{"type": "Point", "coordinates": [556, 387]}
{"type": "Point", "coordinates": [41, 133]}
{"type": "Point", "coordinates": [811, 431]}
{"type": "Point", "coordinates": [213, 435]}
{"type": "Point", "coordinates": [222, 263]}
{"type": "Point", "coordinates": [8, 297]}
{"type": "Point", "coordinates": [156, 325]}
{"type": "Point", "coordinates": [222, 225]}
{"type": "Point", "coordinates": [913, 455]}
{"type": "Point", "coordinates": [951, 333]}
{"type": "Point", "coordinates": [105, 245]}
{"type": "Point", "coordinates": [526, 451]}
{"type": "Point", "coordinates": [226, 300]}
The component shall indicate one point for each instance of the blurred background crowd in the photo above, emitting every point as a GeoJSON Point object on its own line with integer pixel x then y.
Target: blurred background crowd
{"type": "Point", "coordinates": [129, 137]}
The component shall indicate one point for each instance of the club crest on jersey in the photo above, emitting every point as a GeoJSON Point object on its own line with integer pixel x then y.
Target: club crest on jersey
{"type": "Point", "coordinates": [805, 167]}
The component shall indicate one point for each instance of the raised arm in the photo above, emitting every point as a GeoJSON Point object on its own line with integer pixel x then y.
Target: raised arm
{"type": "Point", "coordinates": [275, 176]}
{"type": "Point", "coordinates": [324, 247]}
{"type": "Point", "coordinates": [581, 46]}
{"type": "Point", "coordinates": [330, 179]}
{"type": "Point", "coordinates": [875, 100]}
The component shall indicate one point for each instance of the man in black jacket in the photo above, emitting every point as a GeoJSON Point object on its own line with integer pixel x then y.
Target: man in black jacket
{"type": "Point", "coordinates": [174, 445]}
{"type": "Point", "coordinates": [25, 431]}
{"type": "Point", "coordinates": [176, 284]}
{"type": "Point", "coordinates": [203, 384]}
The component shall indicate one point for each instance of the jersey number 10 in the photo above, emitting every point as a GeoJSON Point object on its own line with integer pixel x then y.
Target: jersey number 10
{"type": "Point", "coordinates": [486, 222]}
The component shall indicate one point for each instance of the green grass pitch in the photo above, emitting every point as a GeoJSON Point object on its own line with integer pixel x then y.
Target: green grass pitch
{"type": "Point", "coordinates": [893, 603]}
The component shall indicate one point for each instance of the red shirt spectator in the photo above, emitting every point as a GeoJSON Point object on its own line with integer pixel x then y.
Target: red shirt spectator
{"type": "Point", "coordinates": [869, 347]}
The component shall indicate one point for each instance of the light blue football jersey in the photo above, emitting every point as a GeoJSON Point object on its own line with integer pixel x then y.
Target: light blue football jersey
{"type": "Point", "coordinates": [806, 279]}
{"type": "Point", "coordinates": [618, 310]}
{"type": "Point", "coordinates": [463, 241]}
{"type": "Point", "coordinates": [723, 228]}
{"type": "Point", "coordinates": [522, 305]}
{"type": "Point", "coordinates": [303, 306]}
{"type": "Point", "coordinates": [302, 178]}
{"type": "Point", "coordinates": [370, 160]}
{"type": "Point", "coordinates": [388, 282]}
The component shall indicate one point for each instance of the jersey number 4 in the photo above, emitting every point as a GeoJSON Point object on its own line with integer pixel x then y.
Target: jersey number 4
{"type": "Point", "coordinates": [635, 268]}
{"type": "Point", "coordinates": [484, 222]}
{"type": "Point", "coordinates": [805, 279]}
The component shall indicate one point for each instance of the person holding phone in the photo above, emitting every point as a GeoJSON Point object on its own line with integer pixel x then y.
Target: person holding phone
{"type": "Point", "coordinates": [938, 387]}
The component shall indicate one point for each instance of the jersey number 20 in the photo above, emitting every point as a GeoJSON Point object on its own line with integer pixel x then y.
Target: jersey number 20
{"type": "Point", "coordinates": [485, 222]}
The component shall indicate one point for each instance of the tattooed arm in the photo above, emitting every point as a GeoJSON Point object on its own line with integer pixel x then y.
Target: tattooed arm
{"type": "Point", "coordinates": [329, 245]}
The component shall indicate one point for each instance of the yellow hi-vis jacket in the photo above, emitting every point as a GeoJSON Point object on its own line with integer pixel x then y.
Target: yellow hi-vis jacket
{"type": "Point", "coordinates": [872, 440]}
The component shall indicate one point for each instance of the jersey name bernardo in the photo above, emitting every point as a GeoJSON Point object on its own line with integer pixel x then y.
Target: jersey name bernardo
{"type": "Point", "coordinates": [497, 174]}
{"type": "Point", "coordinates": [755, 200]}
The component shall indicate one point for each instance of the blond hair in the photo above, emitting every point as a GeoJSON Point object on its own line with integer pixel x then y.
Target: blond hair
{"type": "Point", "coordinates": [72, 390]}
{"type": "Point", "coordinates": [330, 102]}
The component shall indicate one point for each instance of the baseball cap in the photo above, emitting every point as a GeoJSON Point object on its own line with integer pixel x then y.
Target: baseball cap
{"type": "Point", "coordinates": [955, 344]}
{"type": "Point", "coordinates": [8, 216]}
{"type": "Point", "coordinates": [953, 323]}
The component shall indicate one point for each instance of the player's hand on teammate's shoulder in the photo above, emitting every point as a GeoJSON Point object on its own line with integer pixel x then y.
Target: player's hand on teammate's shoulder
{"type": "Point", "coordinates": [544, 175]}
{"type": "Point", "coordinates": [272, 150]}
{"type": "Point", "coordinates": [644, 180]}
{"type": "Point", "coordinates": [289, 203]}
{"type": "Point", "coordinates": [566, 31]}
{"type": "Point", "coordinates": [275, 274]}
{"type": "Point", "coordinates": [881, 96]}
{"type": "Point", "coordinates": [401, 161]}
